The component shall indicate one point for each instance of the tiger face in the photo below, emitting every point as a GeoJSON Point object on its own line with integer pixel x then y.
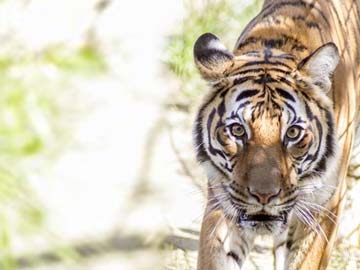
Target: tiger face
{"type": "Point", "coordinates": [265, 134]}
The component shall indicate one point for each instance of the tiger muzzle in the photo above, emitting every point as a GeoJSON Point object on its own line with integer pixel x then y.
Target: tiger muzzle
{"type": "Point", "coordinates": [262, 219]}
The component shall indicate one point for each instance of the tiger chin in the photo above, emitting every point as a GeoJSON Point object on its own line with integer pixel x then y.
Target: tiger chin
{"type": "Point", "coordinates": [266, 136]}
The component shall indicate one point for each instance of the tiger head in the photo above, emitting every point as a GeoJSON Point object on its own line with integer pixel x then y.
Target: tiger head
{"type": "Point", "coordinates": [265, 132]}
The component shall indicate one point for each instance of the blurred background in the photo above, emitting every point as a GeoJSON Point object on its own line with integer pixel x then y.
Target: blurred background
{"type": "Point", "coordinates": [97, 101]}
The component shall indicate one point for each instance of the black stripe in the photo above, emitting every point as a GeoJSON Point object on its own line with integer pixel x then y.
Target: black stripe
{"type": "Point", "coordinates": [237, 191]}
{"type": "Point", "coordinates": [212, 149]}
{"type": "Point", "coordinates": [291, 109]}
{"type": "Point", "coordinates": [242, 105]}
{"type": "Point", "coordinates": [221, 108]}
{"type": "Point", "coordinates": [285, 94]}
{"type": "Point", "coordinates": [253, 63]}
{"type": "Point", "coordinates": [299, 48]}
{"type": "Point", "coordinates": [289, 244]}
{"type": "Point", "coordinates": [257, 70]}
{"type": "Point", "coordinates": [201, 154]}
{"type": "Point", "coordinates": [286, 81]}
{"type": "Point", "coordinates": [309, 24]}
{"type": "Point", "coordinates": [313, 25]}
{"type": "Point", "coordinates": [235, 257]}
{"type": "Point", "coordinates": [243, 79]}
{"type": "Point", "coordinates": [314, 157]}
{"type": "Point", "coordinates": [329, 142]}
{"type": "Point", "coordinates": [248, 41]}
{"type": "Point", "coordinates": [250, 70]}
{"type": "Point", "coordinates": [274, 43]}
{"type": "Point", "coordinates": [226, 167]}
{"type": "Point", "coordinates": [236, 199]}
{"type": "Point", "coordinates": [271, 43]}
{"type": "Point", "coordinates": [299, 3]}
{"type": "Point", "coordinates": [288, 200]}
{"type": "Point", "coordinates": [247, 94]}
{"type": "Point", "coordinates": [264, 78]}
{"type": "Point", "coordinates": [285, 56]}
{"type": "Point", "coordinates": [278, 70]}
{"type": "Point", "coordinates": [309, 113]}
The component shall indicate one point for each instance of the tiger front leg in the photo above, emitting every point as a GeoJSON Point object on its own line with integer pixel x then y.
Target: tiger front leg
{"type": "Point", "coordinates": [309, 248]}
{"type": "Point", "coordinates": [223, 245]}
{"type": "Point", "coordinates": [280, 250]}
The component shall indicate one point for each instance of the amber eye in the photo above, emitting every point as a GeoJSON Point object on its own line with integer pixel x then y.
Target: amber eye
{"type": "Point", "coordinates": [237, 130]}
{"type": "Point", "coordinates": [293, 132]}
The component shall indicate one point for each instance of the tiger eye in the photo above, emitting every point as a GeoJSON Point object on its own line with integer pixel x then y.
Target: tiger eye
{"type": "Point", "coordinates": [293, 132]}
{"type": "Point", "coordinates": [237, 130]}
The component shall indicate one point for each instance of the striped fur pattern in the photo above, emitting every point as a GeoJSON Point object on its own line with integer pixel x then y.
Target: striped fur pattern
{"type": "Point", "coordinates": [266, 133]}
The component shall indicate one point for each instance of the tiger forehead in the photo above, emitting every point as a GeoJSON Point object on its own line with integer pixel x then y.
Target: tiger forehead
{"type": "Point", "coordinates": [258, 70]}
{"type": "Point", "coordinates": [261, 88]}
{"type": "Point", "coordinates": [266, 130]}
{"type": "Point", "coordinates": [268, 58]}
{"type": "Point", "coordinates": [264, 92]}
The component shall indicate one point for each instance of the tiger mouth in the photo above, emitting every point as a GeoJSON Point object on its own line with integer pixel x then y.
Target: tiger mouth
{"type": "Point", "coordinates": [262, 218]}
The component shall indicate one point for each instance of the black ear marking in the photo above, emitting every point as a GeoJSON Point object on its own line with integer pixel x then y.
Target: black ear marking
{"type": "Point", "coordinates": [211, 57]}
{"type": "Point", "coordinates": [209, 50]}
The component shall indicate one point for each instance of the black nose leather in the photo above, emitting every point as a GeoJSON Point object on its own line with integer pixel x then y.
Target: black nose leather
{"type": "Point", "coordinates": [264, 198]}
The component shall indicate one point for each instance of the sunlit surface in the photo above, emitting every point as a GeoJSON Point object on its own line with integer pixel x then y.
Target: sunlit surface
{"type": "Point", "coordinates": [99, 158]}
{"type": "Point", "coordinates": [97, 101]}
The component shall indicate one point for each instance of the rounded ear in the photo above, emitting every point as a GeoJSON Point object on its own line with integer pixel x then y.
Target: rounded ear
{"type": "Point", "coordinates": [211, 57]}
{"type": "Point", "coordinates": [320, 65]}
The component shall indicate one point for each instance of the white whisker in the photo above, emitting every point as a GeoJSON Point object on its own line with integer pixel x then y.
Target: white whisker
{"type": "Point", "coordinates": [321, 209]}
{"type": "Point", "coordinates": [313, 221]}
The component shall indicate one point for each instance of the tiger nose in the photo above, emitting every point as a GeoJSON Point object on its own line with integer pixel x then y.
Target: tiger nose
{"type": "Point", "coordinates": [264, 198]}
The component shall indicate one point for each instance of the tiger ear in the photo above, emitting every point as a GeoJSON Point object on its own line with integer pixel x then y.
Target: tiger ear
{"type": "Point", "coordinates": [211, 57]}
{"type": "Point", "coordinates": [320, 65]}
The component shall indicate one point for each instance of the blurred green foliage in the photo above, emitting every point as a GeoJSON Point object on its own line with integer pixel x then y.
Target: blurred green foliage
{"type": "Point", "coordinates": [31, 87]}
{"type": "Point", "coordinates": [224, 18]}
{"type": "Point", "coordinates": [86, 60]}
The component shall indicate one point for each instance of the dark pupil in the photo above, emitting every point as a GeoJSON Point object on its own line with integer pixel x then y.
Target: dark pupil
{"type": "Point", "coordinates": [293, 132]}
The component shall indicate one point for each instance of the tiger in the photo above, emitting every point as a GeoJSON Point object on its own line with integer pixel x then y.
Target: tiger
{"type": "Point", "coordinates": [275, 131]}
